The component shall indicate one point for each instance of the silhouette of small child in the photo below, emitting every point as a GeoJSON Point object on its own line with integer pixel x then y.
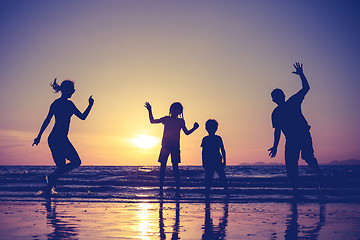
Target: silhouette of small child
{"type": "Point", "coordinates": [213, 155]}
{"type": "Point", "coordinates": [171, 140]}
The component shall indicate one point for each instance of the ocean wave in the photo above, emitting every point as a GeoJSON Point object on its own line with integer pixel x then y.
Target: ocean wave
{"type": "Point", "coordinates": [340, 183]}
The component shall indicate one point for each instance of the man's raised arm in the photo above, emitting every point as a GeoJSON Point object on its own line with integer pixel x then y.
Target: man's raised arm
{"type": "Point", "coordinates": [305, 84]}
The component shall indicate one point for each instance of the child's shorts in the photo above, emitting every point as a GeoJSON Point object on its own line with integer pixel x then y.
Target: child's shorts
{"type": "Point", "coordinates": [166, 151]}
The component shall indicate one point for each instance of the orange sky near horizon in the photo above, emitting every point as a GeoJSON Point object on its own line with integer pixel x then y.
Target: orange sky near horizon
{"type": "Point", "coordinates": [221, 60]}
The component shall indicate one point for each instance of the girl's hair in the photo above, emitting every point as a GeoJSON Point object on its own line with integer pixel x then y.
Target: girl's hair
{"type": "Point", "coordinates": [176, 106]}
{"type": "Point", "coordinates": [66, 84]}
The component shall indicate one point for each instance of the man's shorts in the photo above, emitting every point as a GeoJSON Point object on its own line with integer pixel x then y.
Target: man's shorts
{"type": "Point", "coordinates": [303, 143]}
{"type": "Point", "coordinates": [166, 151]}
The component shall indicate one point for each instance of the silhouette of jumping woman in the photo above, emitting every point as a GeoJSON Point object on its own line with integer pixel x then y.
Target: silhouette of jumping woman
{"type": "Point", "coordinates": [171, 141]}
{"type": "Point", "coordinates": [288, 118]}
{"type": "Point", "coordinates": [213, 155]}
{"type": "Point", "coordinates": [61, 148]}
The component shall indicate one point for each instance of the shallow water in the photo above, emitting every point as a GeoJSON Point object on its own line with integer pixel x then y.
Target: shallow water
{"type": "Point", "coordinates": [123, 183]}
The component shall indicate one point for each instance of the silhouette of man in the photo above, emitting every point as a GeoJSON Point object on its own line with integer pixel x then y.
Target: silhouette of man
{"type": "Point", "coordinates": [288, 118]}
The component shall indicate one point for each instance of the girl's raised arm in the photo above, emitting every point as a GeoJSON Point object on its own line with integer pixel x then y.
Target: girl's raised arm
{"type": "Point", "coordinates": [151, 117]}
{"type": "Point", "coordinates": [186, 131]}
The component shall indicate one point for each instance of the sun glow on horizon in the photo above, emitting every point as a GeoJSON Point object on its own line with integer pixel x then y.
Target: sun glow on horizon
{"type": "Point", "coordinates": [145, 141]}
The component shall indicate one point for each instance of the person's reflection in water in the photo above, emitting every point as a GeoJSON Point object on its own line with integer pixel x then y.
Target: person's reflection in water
{"type": "Point", "coordinates": [176, 226]}
{"type": "Point", "coordinates": [313, 233]}
{"type": "Point", "coordinates": [61, 229]}
{"type": "Point", "coordinates": [292, 226]}
{"type": "Point", "coordinates": [161, 222]}
{"type": "Point", "coordinates": [211, 231]}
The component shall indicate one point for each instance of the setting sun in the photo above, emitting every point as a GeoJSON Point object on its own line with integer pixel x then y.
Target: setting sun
{"type": "Point", "coordinates": [145, 141]}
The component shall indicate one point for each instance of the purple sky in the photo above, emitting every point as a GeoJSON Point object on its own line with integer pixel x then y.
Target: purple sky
{"type": "Point", "coordinates": [220, 59]}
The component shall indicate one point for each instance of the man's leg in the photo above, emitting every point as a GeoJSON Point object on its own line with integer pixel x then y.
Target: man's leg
{"type": "Point", "coordinates": [313, 163]}
{"type": "Point", "coordinates": [292, 152]}
{"type": "Point", "coordinates": [307, 153]}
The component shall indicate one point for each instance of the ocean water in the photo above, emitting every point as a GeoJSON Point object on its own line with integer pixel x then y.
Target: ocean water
{"type": "Point", "coordinates": [134, 183]}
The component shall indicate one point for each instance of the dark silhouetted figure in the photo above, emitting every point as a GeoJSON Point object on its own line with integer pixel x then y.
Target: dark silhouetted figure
{"type": "Point", "coordinates": [213, 155]}
{"type": "Point", "coordinates": [288, 118]}
{"type": "Point", "coordinates": [171, 141]}
{"type": "Point", "coordinates": [61, 148]}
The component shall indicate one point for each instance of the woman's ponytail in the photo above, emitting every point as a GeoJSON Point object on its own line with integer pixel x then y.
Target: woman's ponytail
{"type": "Point", "coordinates": [55, 86]}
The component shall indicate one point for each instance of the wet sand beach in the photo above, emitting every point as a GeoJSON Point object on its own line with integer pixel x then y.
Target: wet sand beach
{"type": "Point", "coordinates": [102, 202]}
{"type": "Point", "coordinates": [178, 220]}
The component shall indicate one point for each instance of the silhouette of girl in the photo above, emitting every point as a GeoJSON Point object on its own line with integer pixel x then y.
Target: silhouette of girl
{"type": "Point", "coordinates": [61, 148]}
{"type": "Point", "coordinates": [171, 140]}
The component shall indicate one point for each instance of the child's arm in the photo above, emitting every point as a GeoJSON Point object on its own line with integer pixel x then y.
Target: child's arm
{"type": "Point", "coordinates": [203, 153]}
{"type": "Point", "coordinates": [223, 153]}
{"type": "Point", "coordinates": [151, 117]}
{"type": "Point", "coordinates": [203, 157]}
{"type": "Point", "coordinates": [44, 126]}
{"type": "Point", "coordinates": [187, 132]}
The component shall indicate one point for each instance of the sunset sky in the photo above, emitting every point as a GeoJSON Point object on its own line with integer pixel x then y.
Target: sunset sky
{"type": "Point", "coordinates": [220, 59]}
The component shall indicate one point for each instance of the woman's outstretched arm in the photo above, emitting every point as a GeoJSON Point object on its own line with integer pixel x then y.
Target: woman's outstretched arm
{"type": "Point", "coordinates": [44, 126]}
{"type": "Point", "coordinates": [84, 115]}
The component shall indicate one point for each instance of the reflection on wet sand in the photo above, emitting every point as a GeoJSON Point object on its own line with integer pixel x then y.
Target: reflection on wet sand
{"type": "Point", "coordinates": [176, 226]}
{"type": "Point", "coordinates": [211, 231]}
{"type": "Point", "coordinates": [219, 219]}
{"type": "Point", "coordinates": [294, 228]}
{"type": "Point", "coordinates": [61, 228]}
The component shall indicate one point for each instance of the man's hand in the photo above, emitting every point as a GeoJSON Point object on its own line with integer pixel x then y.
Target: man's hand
{"type": "Point", "coordinates": [196, 125]}
{"type": "Point", "coordinates": [272, 151]}
{"type": "Point", "coordinates": [298, 69]}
